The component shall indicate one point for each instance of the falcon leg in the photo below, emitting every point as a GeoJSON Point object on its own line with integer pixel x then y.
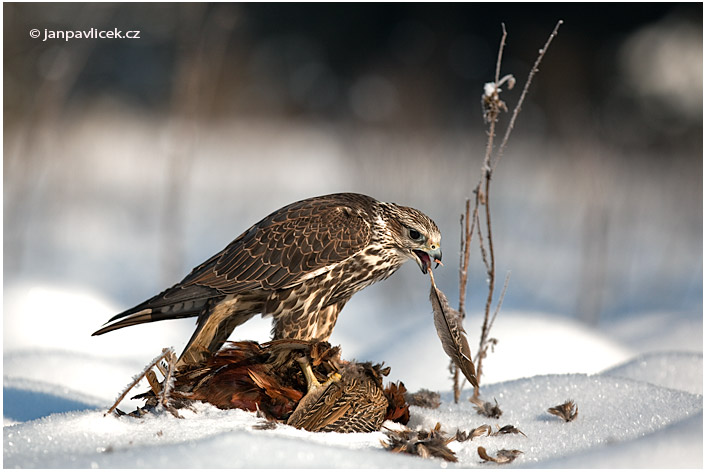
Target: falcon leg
{"type": "Point", "coordinates": [311, 382]}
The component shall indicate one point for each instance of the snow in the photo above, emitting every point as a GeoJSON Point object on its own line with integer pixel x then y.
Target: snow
{"type": "Point", "coordinates": [639, 393]}
{"type": "Point", "coordinates": [676, 370]}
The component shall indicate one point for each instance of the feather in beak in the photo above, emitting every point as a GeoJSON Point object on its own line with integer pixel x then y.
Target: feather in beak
{"type": "Point", "coordinates": [449, 327]}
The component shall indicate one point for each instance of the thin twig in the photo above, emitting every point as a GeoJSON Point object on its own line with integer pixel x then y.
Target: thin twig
{"type": "Point", "coordinates": [493, 105]}
{"type": "Point", "coordinates": [493, 117]}
{"type": "Point", "coordinates": [170, 358]}
{"type": "Point", "coordinates": [468, 225]}
{"type": "Point", "coordinates": [500, 55]}
{"type": "Point", "coordinates": [489, 236]}
{"type": "Point", "coordinates": [464, 255]}
{"type": "Point", "coordinates": [466, 236]}
{"type": "Point", "coordinates": [482, 198]}
{"type": "Point", "coordinates": [500, 300]}
{"type": "Point", "coordinates": [516, 111]}
{"type": "Point", "coordinates": [155, 363]}
{"type": "Point", "coordinates": [483, 250]}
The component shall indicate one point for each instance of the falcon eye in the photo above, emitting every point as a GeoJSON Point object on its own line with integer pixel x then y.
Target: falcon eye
{"type": "Point", "coordinates": [414, 234]}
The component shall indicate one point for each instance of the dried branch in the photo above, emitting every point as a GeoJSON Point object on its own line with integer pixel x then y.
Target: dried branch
{"type": "Point", "coordinates": [167, 353]}
{"type": "Point", "coordinates": [170, 358]}
{"type": "Point", "coordinates": [500, 301]}
{"type": "Point", "coordinates": [516, 111]}
{"type": "Point", "coordinates": [471, 220]}
{"type": "Point", "coordinates": [492, 106]}
{"type": "Point", "coordinates": [466, 235]}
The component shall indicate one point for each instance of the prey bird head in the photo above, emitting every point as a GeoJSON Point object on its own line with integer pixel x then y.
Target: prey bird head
{"type": "Point", "coordinates": [415, 235]}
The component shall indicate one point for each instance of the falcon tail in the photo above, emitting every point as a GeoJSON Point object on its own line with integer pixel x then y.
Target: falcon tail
{"type": "Point", "coordinates": [147, 315]}
{"type": "Point", "coordinates": [174, 303]}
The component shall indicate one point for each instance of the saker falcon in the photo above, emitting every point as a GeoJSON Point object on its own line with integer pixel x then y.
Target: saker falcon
{"type": "Point", "coordinates": [300, 265]}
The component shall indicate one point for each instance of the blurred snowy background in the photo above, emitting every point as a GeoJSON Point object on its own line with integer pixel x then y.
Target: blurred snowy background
{"type": "Point", "coordinates": [128, 162]}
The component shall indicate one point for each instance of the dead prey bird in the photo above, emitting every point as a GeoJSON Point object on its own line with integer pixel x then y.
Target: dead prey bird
{"type": "Point", "coordinates": [301, 383]}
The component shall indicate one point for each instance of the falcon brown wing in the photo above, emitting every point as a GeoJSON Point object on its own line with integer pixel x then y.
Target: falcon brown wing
{"type": "Point", "coordinates": [289, 246]}
{"type": "Point", "coordinates": [286, 247]}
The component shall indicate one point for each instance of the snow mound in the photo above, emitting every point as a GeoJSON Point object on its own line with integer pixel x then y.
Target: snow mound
{"type": "Point", "coordinates": [610, 412]}
{"type": "Point", "coordinates": [644, 411]}
{"type": "Point", "coordinates": [206, 437]}
{"type": "Point", "coordinates": [659, 331]}
{"type": "Point", "coordinates": [675, 446]}
{"type": "Point", "coordinates": [25, 400]}
{"type": "Point", "coordinates": [677, 370]}
{"type": "Point", "coordinates": [99, 377]}
{"type": "Point", "coordinates": [613, 413]}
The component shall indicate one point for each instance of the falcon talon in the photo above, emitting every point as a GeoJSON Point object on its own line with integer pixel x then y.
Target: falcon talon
{"type": "Point", "coordinates": [335, 377]}
{"type": "Point", "coordinates": [311, 381]}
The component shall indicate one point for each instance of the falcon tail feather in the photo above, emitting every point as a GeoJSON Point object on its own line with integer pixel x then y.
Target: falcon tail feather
{"type": "Point", "coordinates": [449, 327]}
{"type": "Point", "coordinates": [147, 315]}
{"type": "Point", "coordinates": [176, 302]}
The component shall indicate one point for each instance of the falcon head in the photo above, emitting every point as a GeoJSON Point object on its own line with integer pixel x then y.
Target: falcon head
{"type": "Point", "coordinates": [414, 235]}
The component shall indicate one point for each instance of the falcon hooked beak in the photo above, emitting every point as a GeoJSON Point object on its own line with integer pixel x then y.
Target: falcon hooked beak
{"type": "Point", "coordinates": [427, 255]}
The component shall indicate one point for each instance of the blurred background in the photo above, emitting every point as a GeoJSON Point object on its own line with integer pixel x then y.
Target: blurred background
{"type": "Point", "coordinates": [129, 161]}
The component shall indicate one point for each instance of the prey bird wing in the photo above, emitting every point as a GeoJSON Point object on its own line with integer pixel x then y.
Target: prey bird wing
{"type": "Point", "coordinates": [450, 330]}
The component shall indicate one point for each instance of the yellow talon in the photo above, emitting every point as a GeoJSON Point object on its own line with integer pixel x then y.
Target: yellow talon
{"type": "Point", "coordinates": [312, 382]}
{"type": "Point", "coordinates": [335, 377]}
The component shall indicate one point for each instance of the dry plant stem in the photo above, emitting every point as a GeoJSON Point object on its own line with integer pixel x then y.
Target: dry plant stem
{"type": "Point", "coordinates": [166, 389]}
{"type": "Point", "coordinates": [534, 70]}
{"type": "Point", "coordinates": [485, 333]}
{"type": "Point", "coordinates": [467, 229]}
{"type": "Point", "coordinates": [455, 377]}
{"type": "Point", "coordinates": [136, 380]}
{"type": "Point", "coordinates": [484, 198]}
{"type": "Point", "coordinates": [499, 62]}
{"type": "Point", "coordinates": [480, 199]}
{"type": "Point", "coordinates": [466, 235]}
{"type": "Point", "coordinates": [466, 238]}
{"type": "Point", "coordinates": [500, 301]}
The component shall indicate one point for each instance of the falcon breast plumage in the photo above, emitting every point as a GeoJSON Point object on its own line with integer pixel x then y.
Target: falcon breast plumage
{"type": "Point", "coordinates": [300, 265]}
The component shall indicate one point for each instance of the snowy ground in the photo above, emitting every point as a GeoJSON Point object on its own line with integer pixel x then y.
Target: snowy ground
{"type": "Point", "coordinates": [639, 393]}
